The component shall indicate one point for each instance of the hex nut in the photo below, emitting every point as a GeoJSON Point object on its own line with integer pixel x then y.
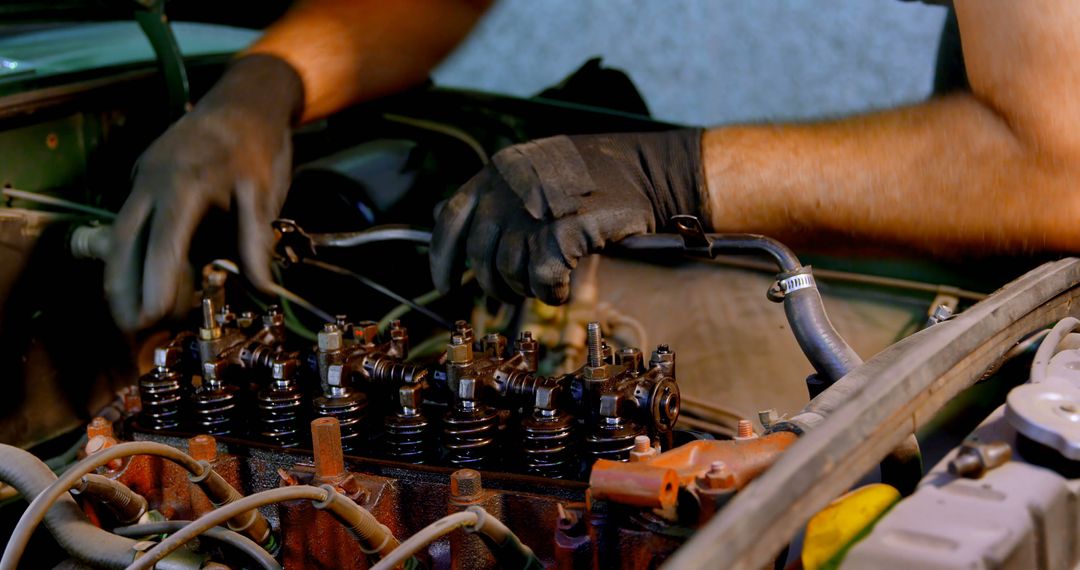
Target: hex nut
{"type": "Point", "coordinates": [609, 405]}
{"type": "Point", "coordinates": [330, 338]}
{"type": "Point", "coordinates": [335, 375]}
{"type": "Point", "coordinates": [366, 332]}
{"type": "Point", "coordinates": [459, 352]}
{"type": "Point", "coordinates": [467, 388]}
{"type": "Point", "coordinates": [283, 369]}
{"type": "Point", "coordinates": [546, 397]}
{"type": "Point", "coordinates": [596, 373]}
{"type": "Point", "coordinates": [410, 397]}
{"type": "Point", "coordinates": [213, 370]}
{"type": "Point", "coordinates": [166, 356]}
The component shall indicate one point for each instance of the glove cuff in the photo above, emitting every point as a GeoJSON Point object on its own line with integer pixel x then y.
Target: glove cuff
{"type": "Point", "coordinates": [263, 85]}
{"type": "Point", "coordinates": [672, 161]}
{"type": "Point", "coordinates": [666, 166]}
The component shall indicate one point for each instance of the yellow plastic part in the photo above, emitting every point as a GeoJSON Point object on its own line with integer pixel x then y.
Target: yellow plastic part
{"type": "Point", "coordinates": [846, 520]}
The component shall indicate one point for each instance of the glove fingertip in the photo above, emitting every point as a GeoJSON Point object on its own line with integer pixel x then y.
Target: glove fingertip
{"type": "Point", "coordinates": [550, 282]}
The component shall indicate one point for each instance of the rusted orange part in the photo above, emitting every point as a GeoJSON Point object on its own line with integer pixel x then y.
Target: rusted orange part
{"type": "Point", "coordinates": [646, 484]}
{"type": "Point", "coordinates": [99, 426]}
{"type": "Point", "coordinates": [745, 458]}
{"type": "Point", "coordinates": [636, 484]}
{"type": "Point", "coordinates": [326, 441]}
{"type": "Point", "coordinates": [203, 448]}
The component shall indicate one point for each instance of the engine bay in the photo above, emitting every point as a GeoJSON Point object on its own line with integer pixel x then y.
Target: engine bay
{"type": "Point", "coordinates": [354, 417]}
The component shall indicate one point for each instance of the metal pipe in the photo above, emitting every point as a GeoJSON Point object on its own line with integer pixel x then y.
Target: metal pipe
{"type": "Point", "coordinates": [376, 234]}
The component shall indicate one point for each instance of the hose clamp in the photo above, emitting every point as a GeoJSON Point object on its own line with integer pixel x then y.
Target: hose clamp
{"type": "Point", "coordinates": [796, 282]}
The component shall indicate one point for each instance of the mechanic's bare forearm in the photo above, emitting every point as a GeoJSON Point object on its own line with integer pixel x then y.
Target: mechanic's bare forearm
{"type": "Point", "coordinates": [347, 51]}
{"type": "Point", "coordinates": [986, 172]}
{"type": "Point", "coordinates": [949, 177]}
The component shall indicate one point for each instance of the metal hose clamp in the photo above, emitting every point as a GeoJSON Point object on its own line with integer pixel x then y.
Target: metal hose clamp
{"type": "Point", "coordinates": [796, 282]}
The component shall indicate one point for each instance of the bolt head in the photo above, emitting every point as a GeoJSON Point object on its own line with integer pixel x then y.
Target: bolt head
{"type": "Point", "coordinates": [203, 447]}
{"type": "Point", "coordinates": [526, 342]}
{"type": "Point", "coordinates": [719, 476]}
{"type": "Point", "coordinates": [465, 483]}
{"type": "Point", "coordinates": [273, 318]}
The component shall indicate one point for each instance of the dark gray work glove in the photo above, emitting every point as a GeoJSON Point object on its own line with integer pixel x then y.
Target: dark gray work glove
{"type": "Point", "coordinates": [232, 152]}
{"type": "Point", "coordinates": [526, 219]}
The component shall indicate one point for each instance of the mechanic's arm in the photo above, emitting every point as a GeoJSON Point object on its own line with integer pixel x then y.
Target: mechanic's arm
{"type": "Point", "coordinates": [233, 151]}
{"type": "Point", "coordinates": [347, 51]}
{"type": "Point", "coordinates": [994, 170]}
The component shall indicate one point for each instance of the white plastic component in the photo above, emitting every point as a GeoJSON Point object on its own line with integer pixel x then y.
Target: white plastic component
{"type": "Point", "coordinates": [1049, 411]}
{"type": "Point", "coordinates": [1017, 516]}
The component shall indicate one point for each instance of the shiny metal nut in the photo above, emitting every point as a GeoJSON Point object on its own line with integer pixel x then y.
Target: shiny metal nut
{"type": "Point", "coordinates": [596, 373]}
{"type": "Point", "coordinates": [546, 397]}
{"type": "Point", "coordinates": [459, 353]}
{"type": "Point", "coordinates": [609, 405]}
{"type": "Point", "coordinates": [330, 338]}
{"type": "Point", "coordinates": [467, 389]}
{"type": "Point", "coordinates": [166, 356]}
{"type": "Point", "coordinates": [283, 369]}
{"type": "Point", "coordinates": [409, 397]}
{"type": "Point", "coordinates": [213, 370]}
{"type": "Point", "coordinates": [335, 375]}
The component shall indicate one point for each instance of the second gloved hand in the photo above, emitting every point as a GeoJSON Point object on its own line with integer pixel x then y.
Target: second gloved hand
{"type": "Point", "coordinates": [232, 152]}
{"type": "Point", "coordinates": [527, 218]}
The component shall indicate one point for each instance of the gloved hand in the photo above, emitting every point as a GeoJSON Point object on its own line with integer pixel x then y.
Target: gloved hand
{"type": "Point", "coordinates": [529, 216]}
{"type": "Point", "coordinates": [232, 152]}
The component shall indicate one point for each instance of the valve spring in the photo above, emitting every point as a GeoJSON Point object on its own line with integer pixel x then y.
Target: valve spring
{"type": "Point", "coordinates": [350, 409]}
{"type": "Point", "coordinates": [470, 434]}
{"type": "Point", "coordinates": [612, 440]}
{"type": "Point", "coordinates": [215, 409]}
{"type": "Point", "coordinates": [162, 396]}
{"type": "Point", "coordinates": [406, 437]}
{"type": "Point", "coordinates": [549, 444]}
{"type": "Point", "coordinates": [281, 414]}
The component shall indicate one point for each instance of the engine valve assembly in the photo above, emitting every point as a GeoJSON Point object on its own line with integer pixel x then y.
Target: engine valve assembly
{"type": "Point", "coordinates": [486, 408]}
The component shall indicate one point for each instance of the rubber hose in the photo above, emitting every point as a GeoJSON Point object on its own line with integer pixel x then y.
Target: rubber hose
{"type": "Point", "coordinates": [65, 520]}
{"type": "Point", "coordinates": [1040, 365]}
{"type": "Point", "coordinates": [826, 350]}
{"type": "Point", "coordinates": [375, 538]}
{"type": "Point", "coordinates": [224, 513]}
